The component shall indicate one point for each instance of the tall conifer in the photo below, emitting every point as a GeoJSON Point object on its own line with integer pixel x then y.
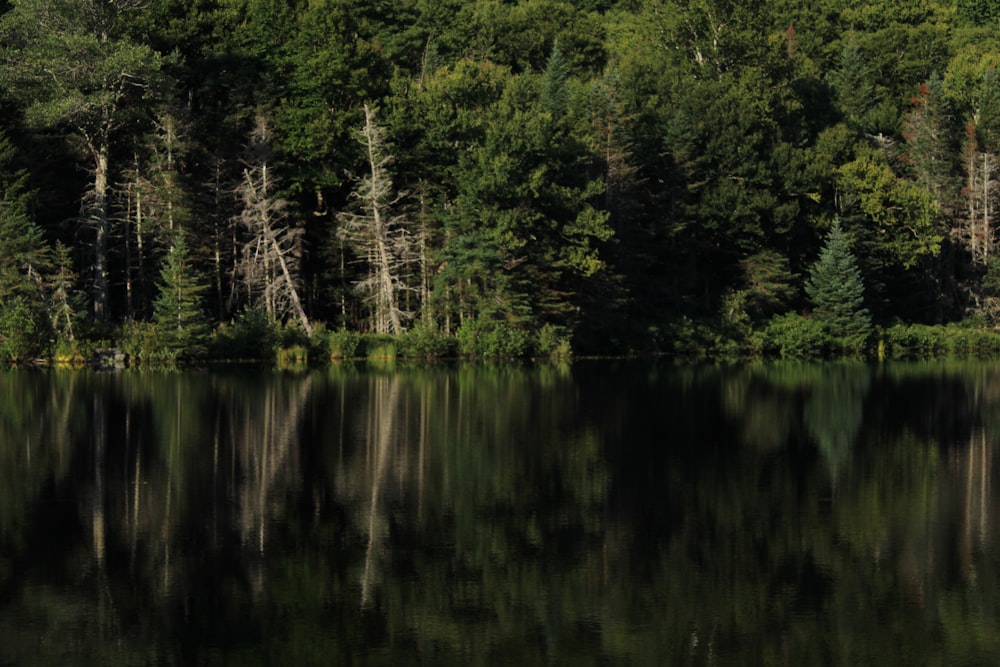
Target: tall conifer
{"type": "Point", "coordinates": [179, 310]}
{"type": "Point", "coordinates": [836, 290]}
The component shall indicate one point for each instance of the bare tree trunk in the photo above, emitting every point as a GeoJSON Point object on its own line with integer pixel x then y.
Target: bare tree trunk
{"type": "Point", "coordinates": [102, 223]}
{"type": "Point", "coordinates": [293, 294]}
{"type": "Point", "coordinates": [987, 186]}
{"type": "Point", "coordinates": [132, 192]}
{"type": "Point", "coordinates": [269, 264]}
{"type": "Point", "coordinates": [377, 234]}
{"type": "Point", "coordinates": [386, 290]}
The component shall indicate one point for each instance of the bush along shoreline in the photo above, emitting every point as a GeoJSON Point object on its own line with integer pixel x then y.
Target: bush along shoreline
{"type": "Point", "coordinates": [251, 338]}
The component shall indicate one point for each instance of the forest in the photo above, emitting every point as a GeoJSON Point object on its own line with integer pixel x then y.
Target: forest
{"type": "Point", "coordinates": [487, 178]}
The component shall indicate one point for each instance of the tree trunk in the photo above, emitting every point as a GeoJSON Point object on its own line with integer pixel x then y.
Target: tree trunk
{"type": "Point", "coordinates": [386, 297]}
{"type": "Point", "coordinates": [102, 223]}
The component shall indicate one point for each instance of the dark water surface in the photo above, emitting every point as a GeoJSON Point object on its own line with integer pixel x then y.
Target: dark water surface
{"type": "Point", "coordinates": [606, 514]}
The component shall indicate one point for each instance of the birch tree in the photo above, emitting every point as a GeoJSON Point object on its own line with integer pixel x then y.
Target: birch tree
{"type": "Point", "coordinates": [378, 235]}
{"type": "Point", "coordinates": [270, 263]}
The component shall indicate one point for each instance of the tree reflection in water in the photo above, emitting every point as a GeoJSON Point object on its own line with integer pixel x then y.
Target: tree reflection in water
{"type": "Point", "coordinates": [770, 514]}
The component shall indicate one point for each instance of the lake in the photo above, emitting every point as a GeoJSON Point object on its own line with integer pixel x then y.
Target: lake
{"type": "Point", "coordinates": [605, 513]}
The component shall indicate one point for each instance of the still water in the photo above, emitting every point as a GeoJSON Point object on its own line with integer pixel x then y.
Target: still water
{"type": "Point", "coordinates": [608, 513]}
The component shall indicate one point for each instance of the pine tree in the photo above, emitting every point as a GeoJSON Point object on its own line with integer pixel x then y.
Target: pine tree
{"type": "Point", "coordinates": [74, 67]}
{"type": "Point", "coordinates": [65, 302]}
{"type": "Point", "coordinates": [836, 290]}
{"type": "Point", "coordinates": [24, 259]}
{"type": "Point", "coordinates": [555, 96]}
{"type": "Point", "coordinates": [24, 256]}
{"type": "Point", "coordinates": [179, 311]}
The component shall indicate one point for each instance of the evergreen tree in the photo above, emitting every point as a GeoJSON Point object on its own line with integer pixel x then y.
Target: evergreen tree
{"type": "Point", "coordinates": [179, 311]}
{"type": "Point", "coordinates": [65, 302]}
{"type": "Point", "coordinates": [24, 259]}
{"type": "Point", "coordinates": [837, 293]}
{"type": "Point", "coordinates": [23, 253]}
{"type": "Point", "coordinates": [74, 69]}
{"type": "Point", "coordinates": [555, 96]}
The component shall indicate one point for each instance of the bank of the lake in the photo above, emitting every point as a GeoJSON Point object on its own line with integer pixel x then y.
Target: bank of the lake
{"type": "Point", "coordinates": [790, 337]}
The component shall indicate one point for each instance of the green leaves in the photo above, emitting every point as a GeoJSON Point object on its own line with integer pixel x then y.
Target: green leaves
{"type": "Point", "coordinates": [179, 311]}
{"type": "Point", "coordinates": [69, 65]}
{"type": "Point", "coordinates": [837, 293]}
{"type": "Point", "coordinates": [903, 214]}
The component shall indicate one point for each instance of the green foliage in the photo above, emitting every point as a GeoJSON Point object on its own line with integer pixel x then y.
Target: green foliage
{"type": "Point", "coordinates": [66, 304]}
{"type": "Point", "coordinates": [179, 312]}
{"type": "Point", "coordinates": [379, 347]}
{"type": "Point", "coordinates": [902, 214]}
{"type": "Point", "coordinates": [767, 288]}
{"type": "Point", "coordinates": [979, 12]}
{"type": "Point", "coordinates": [555, 94]}
{"type": "Point", "coordinates": [492, 339]}
{"type": "Point", "coordinates": [794, 336]}
{"type": "Point", "coordinates": [24, 256]}
{"type": "Point", "coordinates": [24, 330]}
{"type": "Point", "coordinates": [426, 342]}
{"type": "Point", "coordinates": [553, 342]}
{"type": "Point", "coordinates": [250, 335]}
{"type": "Point", "coordinates": [146, 343]}
{"type": "Point", "coordinates": [922, 341]}
{"type": "Point", "coordinates": [606, 169]}
{"type": "Point", "coordinates": [342, 344]}
{"type": "Point", "coordinates": [836, 291]}
{"type": "Point", "coordinates": [295, 357]}
{"type": "Point", "coordinates": [991, 281]}
{"type": "Point", "coordinates": [691, 338]}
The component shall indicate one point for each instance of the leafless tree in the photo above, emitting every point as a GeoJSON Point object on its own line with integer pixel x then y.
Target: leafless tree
{"type": "Point", "coordinates": [378, 236]}
{"type": "Point", "coordinates": [270, 262]}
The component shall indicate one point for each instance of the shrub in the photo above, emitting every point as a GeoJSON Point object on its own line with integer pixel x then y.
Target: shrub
{"type": "Point", "coordinates": [24, 330]}
{"type": "Point", "coordinates": [426, 342]}
{"type": "Point", "coordinates": [792, 336]}
{"type": "Point", "coordinates": [295, 357]}
{"type": "Point", "coordinates": [143, 342]}
{"type": "Point", "coordinates": [378, 347]}
{"type": "Point", "coordinates": [554, 343]}
{"type": "Point", "coordinates": [250, 335]}
{"type": "Point", "coordinates": [342, 344]}
{"type": "Point", "coordinates": [924, 341]}
{"type": "Point", "coordinates": [69, 352]}
{"type": "Point", "coordinates": [914, 341]}
{"type": "Point", "coordinates": [492, 339]}
{"type": "Point", "coordinates": [690, 338]}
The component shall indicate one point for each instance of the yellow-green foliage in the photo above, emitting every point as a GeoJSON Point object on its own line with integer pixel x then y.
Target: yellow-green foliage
{"type": "Point", "coordinates": [293, 358]}
{"type": "Point", "coordinates": [922, 341]}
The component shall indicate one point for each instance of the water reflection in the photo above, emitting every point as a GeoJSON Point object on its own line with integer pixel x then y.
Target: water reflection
{"type": "Point", "coordinates": [618, 513]}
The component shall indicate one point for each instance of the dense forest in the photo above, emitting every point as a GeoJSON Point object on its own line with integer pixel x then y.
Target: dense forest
{"type": "Point", "coordinates": [498, 178]}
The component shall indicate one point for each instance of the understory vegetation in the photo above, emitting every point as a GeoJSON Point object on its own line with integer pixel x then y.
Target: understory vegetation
{"type": "Point", "coordinates": [293, 181]}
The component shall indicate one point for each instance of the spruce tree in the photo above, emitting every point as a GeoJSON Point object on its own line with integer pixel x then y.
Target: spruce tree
{"type": "Point", "coordinates": [555, 96]}
{"type": "Point", "coordinates": [24, 260]}
{"type": "Point", "coordinates": [24, 256]}
{"type": "Point", "coordinates": [836, 290]}
{"type": "Point", "coordinates": [178, 311]}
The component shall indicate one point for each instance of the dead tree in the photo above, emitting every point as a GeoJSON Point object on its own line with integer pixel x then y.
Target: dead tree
{"type": "Point", "coordinates": [270, 262]}
{"type": "Point", "coordinates": [379, 237]}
